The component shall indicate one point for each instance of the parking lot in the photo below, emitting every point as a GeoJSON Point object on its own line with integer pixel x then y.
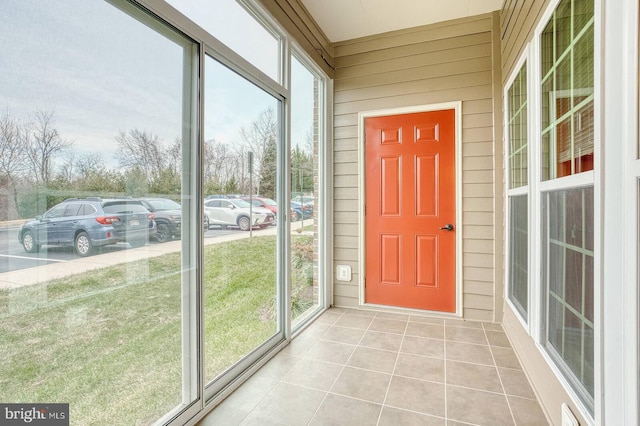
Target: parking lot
{"type": "Point", "coordinates": [13, 257]}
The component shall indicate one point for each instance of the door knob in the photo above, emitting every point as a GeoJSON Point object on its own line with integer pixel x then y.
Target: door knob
{"type": "Point", "coordinates": [447, 227]}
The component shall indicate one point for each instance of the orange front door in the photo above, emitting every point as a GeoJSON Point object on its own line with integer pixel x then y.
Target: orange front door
{"type": "Point", "coordinates": [410, 197]}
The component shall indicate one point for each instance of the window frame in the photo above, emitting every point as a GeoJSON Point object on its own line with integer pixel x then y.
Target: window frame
{"type": "Point", "coordinates": [212, 47]}
{"type": "Point", "coordinates": [523, 61]}
{"type": "Point", "coordinates": [537, 187]}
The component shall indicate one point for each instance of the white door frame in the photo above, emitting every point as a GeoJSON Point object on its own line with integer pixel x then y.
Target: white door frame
{"type": "Point", "coordinates": [362, 116]}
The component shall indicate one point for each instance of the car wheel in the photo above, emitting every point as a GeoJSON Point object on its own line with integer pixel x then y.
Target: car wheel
{"type": "Point", "coordinates": [164, 233]}
{"type": "Point", "coordinates": [296, 216]}
{"type": "Point", "coordinates": [29, 243]}
{"type": "Point", "coordinates": [243, 223]}
{"type": "Point", "coordinates": [137, 242]}
{"type": "Point", "coordinates": [83, 244]}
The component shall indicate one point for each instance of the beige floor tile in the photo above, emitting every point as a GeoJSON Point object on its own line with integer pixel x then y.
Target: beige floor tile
{"type": "Point", "coordinates": [255, 420]}
{"type": "Point", "coordinates": [477, 407]}
{"type": "Point", "coordinates": [290, 404]}
{"type": "Point", "coordinates": [343, 335]}
{"type": "Point", "coordinates": [337, 410]}
{"type": "Point", "coordinates": [505, 357]}
{"type": "Point", "coordinates": [389, 315]}
{"type": "Point", "coordinates": [360, 312]}
{"type": "Point", "coordinates": [373, 359]}
{"type": "Point", "coordinates": [466, 335]}
{"type": "Point", "coordinates": [395, 417]}
{"type": "Point", "coordinates": [493, 326]}
{"type": "Point", "coordinates": [418, 329]}
{"type": "Point", "coordinates": [248, 396]}
{"type": "Point", "coordinates": [423, 346]}
{"type": "Point", "coordinates": [362, 384]}
{"type": "Point", "coordinates": [328, 318]}
{"type": "Point", "coordinates": [338, 353]}
{"type": "Point", "coordinates": [388, 325]}
{"type": "Point", "coordinates": [420, 367]}
{"type": "Point", "coordinates": [386, 341]}
{"type": "Point", "coordinates": [498, 338]}
{"type": "Point", "coordinates": [299, 346]}
{"type": "Point", "coordinates": [481, 377]}
{"type": "Point", "coordinates": [527, 412]}
{"type": "Point", "coordinates": [426, 320]}
{"type": "Point", "coordinates": [313, 374]}
{"type": "Point", "coordinates": [354, 321]}
{"type": "Point", "coordinates": [515, 383]}
{"type": "Point", "coordinates": [278, 366]}
{"type": "Point", "coordinates": [468, 352]}
{"type": "Point", "coordinates": [462, 323]}
{"type": "Point", "coordinates": [417, 395]}
{"type": "Point", "coordinates": [224, 415]}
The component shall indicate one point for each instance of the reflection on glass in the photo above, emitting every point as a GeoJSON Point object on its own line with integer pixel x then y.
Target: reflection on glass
{"type": "Point", "coordinates": [240, 182]}
{"type": "Point", "coordinates": [305, 289]}
{"type": "Point", "coordinates": [567, 90]}
{"type": "Point", "coordinates": [223, 19]}
{"type": "Point", "coordinates": [519, 254]}
{"type": "Point", "coordinates": [517, 97]}
{"type": "Point", "coordinates": [568, 272]}
{"type": "Point", "coordinates": [89, 125]}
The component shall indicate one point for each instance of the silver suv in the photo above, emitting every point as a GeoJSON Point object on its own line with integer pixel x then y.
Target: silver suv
{"type": "Point", "coordinates": [235, 212]}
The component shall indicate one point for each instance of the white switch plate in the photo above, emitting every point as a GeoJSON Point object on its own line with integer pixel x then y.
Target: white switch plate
{"type": "Point", "coordinates": [343, 272]}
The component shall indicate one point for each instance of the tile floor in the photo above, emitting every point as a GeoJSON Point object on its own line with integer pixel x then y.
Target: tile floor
{"type": "Point", "coordinates": [355, 367]}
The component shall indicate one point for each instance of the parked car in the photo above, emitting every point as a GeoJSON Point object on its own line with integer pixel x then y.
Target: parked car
{"type": "Point", "coordinates": [168, 216]}
{"type": "Point", "coordinates": [296, 212]}
{"type": "Point", "coordinates": [235, 212]}
{"type": "Point", "coordinates": [86, 223]}
{"type": "Point", "coordinates": [307, 211]}
{"type": "Point", "coordinates": [266, 203]}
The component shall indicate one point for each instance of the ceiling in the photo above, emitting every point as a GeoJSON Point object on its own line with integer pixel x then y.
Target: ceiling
{"type": "Point", "coordinates": [346, 19]}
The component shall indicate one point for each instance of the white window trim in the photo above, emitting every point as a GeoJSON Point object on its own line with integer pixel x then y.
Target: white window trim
{"type": "Point", "coordinates": [524, 60]}
{"type": "Point", "coordinates": [621, 226]}
{"type": "Point", "coordinates": [536, 189]}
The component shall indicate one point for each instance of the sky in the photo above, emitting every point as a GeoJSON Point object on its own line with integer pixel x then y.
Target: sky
{"type": "Point", "coordinates": [101, 72]}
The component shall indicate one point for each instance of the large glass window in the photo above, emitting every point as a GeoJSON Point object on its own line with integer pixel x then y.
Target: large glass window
{"type": "Point", "coordinates": [233, 25]}
{"type": "Point", "coordinates": [568, 265]}
{"type": "Point", "coordinates": [567, 90]}
{"type": "Point", "coordinates": [517, 192]}
{"type": "Point", "coordinates": [567, 46]}
{"type": "Point", "coordinates": [94, 292]}
{"type": "Point", "coordinates": [241, 291]}
{"type": "Point", "coordinates": [306, 89]}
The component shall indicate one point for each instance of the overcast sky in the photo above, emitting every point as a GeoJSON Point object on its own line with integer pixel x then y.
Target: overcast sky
{"type": "Point", "coordinates": [101, 72]}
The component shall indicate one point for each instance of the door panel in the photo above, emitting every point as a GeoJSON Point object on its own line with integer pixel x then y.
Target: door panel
{"type": "Point", "coordinates": [410, 195]}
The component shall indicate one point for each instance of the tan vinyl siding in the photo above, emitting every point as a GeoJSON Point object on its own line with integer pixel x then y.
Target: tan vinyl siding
{"type": "Point", "coordinates": [444, 62]}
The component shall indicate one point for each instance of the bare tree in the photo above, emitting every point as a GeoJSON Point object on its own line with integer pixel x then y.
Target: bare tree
{"type": "Point", "coordinates": [13, 150]}
{"type": "Point", "coordinates": [44, 145]}
{"type": "Point", "coordinates": [142, 150]}
{"type": "Point", "coordinates": [260, 136]}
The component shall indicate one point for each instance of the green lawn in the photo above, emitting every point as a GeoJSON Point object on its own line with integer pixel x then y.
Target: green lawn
{"type": "Point", "coordinates": [109, 341]}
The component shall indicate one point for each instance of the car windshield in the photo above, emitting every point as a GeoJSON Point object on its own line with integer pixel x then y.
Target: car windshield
{"type": "Point", "coordinates": [164, 204]}
{"type": "Point", "coordinates": [269, 202]}
{"type": "Point", "coordinates": [123, 207]}
{"type": "Point", "coordinates": [241, 203]}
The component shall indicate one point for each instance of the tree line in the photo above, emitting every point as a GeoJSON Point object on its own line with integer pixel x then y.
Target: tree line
{"type": "Point", "coordinates": [39, 166]}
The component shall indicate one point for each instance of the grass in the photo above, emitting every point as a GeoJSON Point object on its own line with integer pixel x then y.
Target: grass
{"type": "Point", "coordinates": [109, 341]}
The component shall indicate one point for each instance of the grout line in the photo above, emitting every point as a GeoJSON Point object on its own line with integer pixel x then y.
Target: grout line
{"type": "Point", "coordinates": [446, 381]}
{"type": "Point", "coordinates": [341, 371]}
{"type": "Point", "coordinates": [504, 392]}
{"type": "Point", "coordinates": [386, 394]}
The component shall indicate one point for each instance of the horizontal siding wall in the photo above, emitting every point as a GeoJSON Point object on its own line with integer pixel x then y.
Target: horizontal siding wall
{"type": "Point", "coordinates": [444, 62]}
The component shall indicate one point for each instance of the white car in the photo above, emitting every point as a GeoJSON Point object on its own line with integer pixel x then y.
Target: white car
{"type": "Point", "coordinates": [235, 212]}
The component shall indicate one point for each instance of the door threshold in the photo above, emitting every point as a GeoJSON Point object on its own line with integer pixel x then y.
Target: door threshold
{"type": "Point", "coordinates": [408, 311]}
